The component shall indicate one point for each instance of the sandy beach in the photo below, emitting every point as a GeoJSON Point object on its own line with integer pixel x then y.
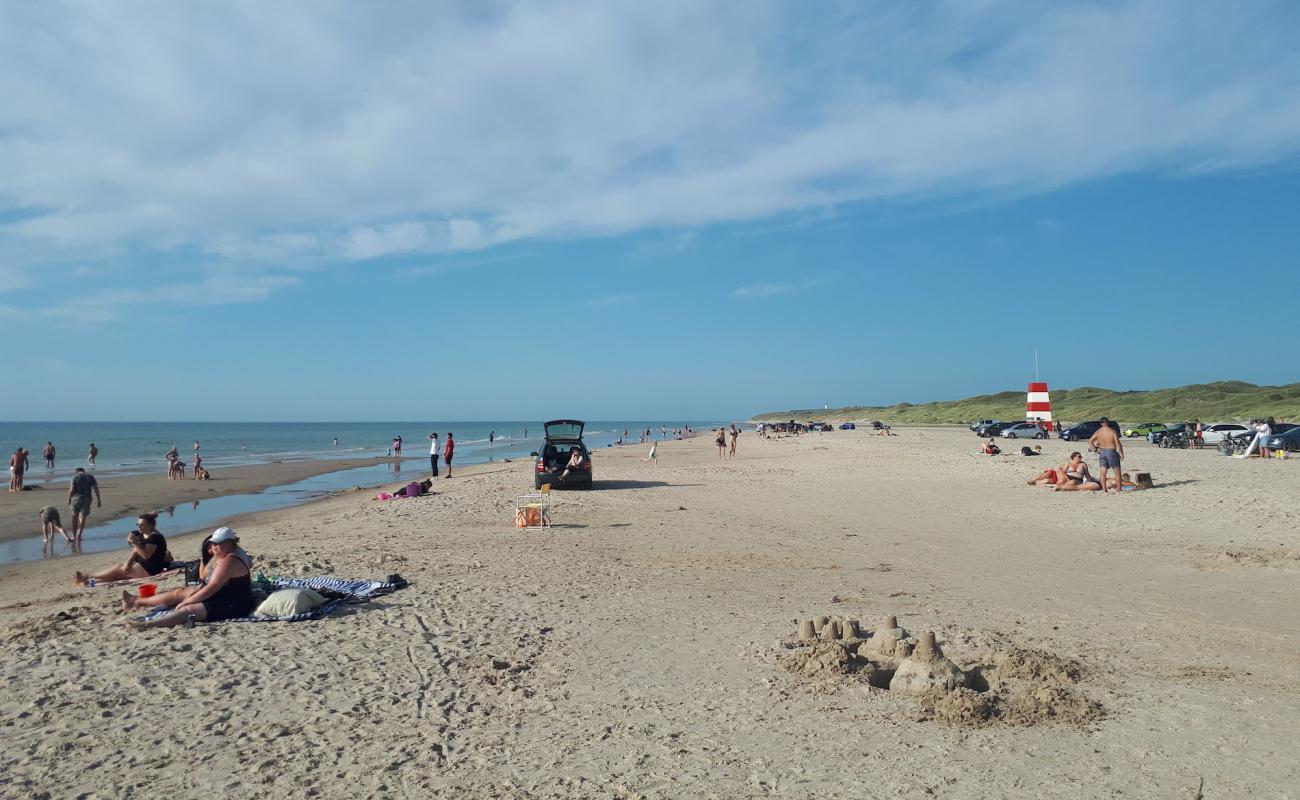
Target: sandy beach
{"type": "Point", "coordinates": [130, 494]}
{"type": "Point", "coordinates": [1144, 645]}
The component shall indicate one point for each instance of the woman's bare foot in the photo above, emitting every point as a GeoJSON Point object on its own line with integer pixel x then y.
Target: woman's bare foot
{"type": "Point", "coordinates": [128, 601]}
{"type": "Point", "coordinates": [79, 578]}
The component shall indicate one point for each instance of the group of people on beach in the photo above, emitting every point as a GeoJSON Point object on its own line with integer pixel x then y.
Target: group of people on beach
{"type": "Point", "coordinates": [726, 441]}
{"type": "Point", "coordinates": [20, 463]}
{"type": "Point", "coordinates": [176, 465]}
{"type": "Point", "coordinates": [1074, 475]}
{"type": "Point", "coordinates": [224, 570]}
{"type": "Point", "coordinates": [81, 491]}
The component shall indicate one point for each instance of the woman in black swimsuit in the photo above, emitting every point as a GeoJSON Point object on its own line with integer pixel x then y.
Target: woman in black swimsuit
{"type": "Point", "coordinates": [228, 593]}
{"type": "Point", "coordinates": [1077, 477]}
{"type": "Point", "coordinates": [149, 554]}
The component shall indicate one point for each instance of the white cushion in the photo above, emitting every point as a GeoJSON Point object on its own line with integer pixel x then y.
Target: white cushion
{"type": "Point", "coordinates": [287, 602]}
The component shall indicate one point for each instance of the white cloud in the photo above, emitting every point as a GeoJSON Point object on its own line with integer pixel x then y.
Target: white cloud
{"type": "Point", "coordinates": [301, 134]}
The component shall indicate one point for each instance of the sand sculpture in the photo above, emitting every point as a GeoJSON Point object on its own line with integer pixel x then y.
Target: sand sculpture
{"type": "Point", "coordinates": [888, 640]}
{"type": "Point", "coordinates": [926, 670]}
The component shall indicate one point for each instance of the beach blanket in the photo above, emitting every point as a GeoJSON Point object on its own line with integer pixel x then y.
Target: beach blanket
{"type": "Point", "coordinates": [338, 591]}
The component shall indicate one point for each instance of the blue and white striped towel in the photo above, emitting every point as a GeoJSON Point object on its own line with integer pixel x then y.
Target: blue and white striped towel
{"type": "Point", "coordinates": [354, 591]}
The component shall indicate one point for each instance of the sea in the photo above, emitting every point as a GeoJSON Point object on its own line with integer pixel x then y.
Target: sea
{"type": "Point", "coordinates": [134, 448]}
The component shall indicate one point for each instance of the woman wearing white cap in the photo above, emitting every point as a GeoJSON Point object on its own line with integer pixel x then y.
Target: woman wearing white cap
{"type": "Point", "coordinates": [176, 597]}
{"type": "Point", "coordinates": [228, 593]}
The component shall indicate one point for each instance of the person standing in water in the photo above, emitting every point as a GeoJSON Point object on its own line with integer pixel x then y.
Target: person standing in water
{"type": "Point", "coordinates": [49, 455]}
{"type": "Point", "coordinates": [336, 441]}
{"type": "Point", "coordinates": [492, 436]}
{"type": "Point", "coordinates": [90, 456]}
{"type": "Point", "coordinates": [397, 445]}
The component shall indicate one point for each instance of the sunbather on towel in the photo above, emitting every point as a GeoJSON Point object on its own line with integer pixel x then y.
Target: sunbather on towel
{"type": "Point", "coordinates": [228, 593]}
{"type": "Point", "coordinates": [414, 489]}
{"type": "Point", "coordinates": [176, 597]}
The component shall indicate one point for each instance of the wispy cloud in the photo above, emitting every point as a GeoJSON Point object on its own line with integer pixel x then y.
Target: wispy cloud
{"type": "Point", "coordinates": [306, 134]}
{"type": "Point", "coordinates": [761, 290]}
{"type": "Point", "coordinates": [611, 300]}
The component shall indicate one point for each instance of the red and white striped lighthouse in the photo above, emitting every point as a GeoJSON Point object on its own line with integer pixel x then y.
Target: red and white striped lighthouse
{"type": "Point", "coordinates": [1038, 406]}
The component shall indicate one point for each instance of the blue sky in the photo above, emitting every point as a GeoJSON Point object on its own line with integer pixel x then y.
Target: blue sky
{"type": "Point", "coordinates": [613, 210]}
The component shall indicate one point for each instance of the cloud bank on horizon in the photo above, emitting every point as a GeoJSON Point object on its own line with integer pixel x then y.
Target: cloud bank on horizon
{"type": "Point", "coordinates": [253, 140]}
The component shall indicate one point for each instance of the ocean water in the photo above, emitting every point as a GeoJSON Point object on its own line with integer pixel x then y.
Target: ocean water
{"type": "Point", "coordinates": [127, 448]}
{"type": "Point", "coordinates": [139, 447]}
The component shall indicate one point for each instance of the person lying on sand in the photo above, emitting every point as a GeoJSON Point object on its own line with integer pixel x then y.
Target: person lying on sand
{"type": "Point", "coordinates": [991, 449]}
{"type": "Point", "coordinates": [149, 554]}
{"type": "Point", "coordinates": [1077, 477]}
{"type": "Point", "coordinates": [228, 593]}
{"type": "Point", "coordinates": [176, 597]}
{"type": "Point", "coordinates": [1047, 477]}
{"type": "Point", "coordinates": [414, 489]}
{"type": "Point", "coordinates": [1122, 483]}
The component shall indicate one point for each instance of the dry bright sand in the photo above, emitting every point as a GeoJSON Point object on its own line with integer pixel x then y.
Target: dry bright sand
{"type": "Point", "coordinates": [641, 647]}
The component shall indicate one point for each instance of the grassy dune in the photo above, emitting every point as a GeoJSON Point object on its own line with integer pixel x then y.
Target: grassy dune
{"type": "Point", "coordinates": [1225, 401]}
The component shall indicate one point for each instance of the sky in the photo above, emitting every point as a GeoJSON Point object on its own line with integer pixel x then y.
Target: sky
{"type": "Point", "coordinates": [622, 210]}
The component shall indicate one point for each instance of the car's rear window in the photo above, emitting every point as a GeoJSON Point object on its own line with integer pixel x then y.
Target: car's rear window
{"type": "Point", "coordinates": [564, 430]}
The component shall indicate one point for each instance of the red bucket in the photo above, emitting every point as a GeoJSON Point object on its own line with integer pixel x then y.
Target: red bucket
{"type": "Point", "coordinates": [148, 589]}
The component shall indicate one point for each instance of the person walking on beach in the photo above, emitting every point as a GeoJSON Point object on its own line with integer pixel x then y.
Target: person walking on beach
{"type": "Point", "coordinates": [49, 455]}
{"type": "Point", "coordinates": [90, 456]}
{"type": "Point", "coordinates": [433, 453]}
{"type": "Point", "coordinates": [722, 442]}
{"type": "Point", "coordinates": [1109, 449]}
{"type": "Point", "coordinates": [79, 500]}
{"type": "Point", "coordinates": [735, 434]}
{"type": "Point", "coordinates": [448, 451]}
{"type": "Point", "coordinates": [1199, 439]}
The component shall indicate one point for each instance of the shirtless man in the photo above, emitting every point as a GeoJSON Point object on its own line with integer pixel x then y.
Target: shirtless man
{"type": "Point", "coordinates": [1110, 449]}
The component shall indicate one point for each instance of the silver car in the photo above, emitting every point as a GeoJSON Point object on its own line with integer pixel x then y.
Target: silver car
{"type": "Point", "coordinates": [1025, 430]}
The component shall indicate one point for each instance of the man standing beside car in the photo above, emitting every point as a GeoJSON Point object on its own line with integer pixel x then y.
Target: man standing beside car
{"type": "Point", "coordinates": [1110, 449]}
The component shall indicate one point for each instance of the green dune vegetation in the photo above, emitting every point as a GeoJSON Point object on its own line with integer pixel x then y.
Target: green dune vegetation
{"type": "Point", "coordinates": [1224, 401]}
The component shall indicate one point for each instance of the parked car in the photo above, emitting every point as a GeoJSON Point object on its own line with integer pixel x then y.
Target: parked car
{"type": "Point", "coordinates": [562, 435]}
{"type": "Point", "coordinates": [1084, 430]}
{"type": "Point", "coordinates": [980, 423]}
{"type": "Point", "coordinates": [995, 429]}
{"type": "Point", "coordinates": [1213, 434]}
{"type": "Point", "coordinates": [1144, 429]}
{"type": "Point", "coordinates": [848, 426]}
{"type": "Point", "coordinates": [1025, 430]}
{"type": "Point", "coordinates": [1288, 440]}
{"type": "Point", "coordinates": [1155, 436]}
{"type": "Point", "coordinates": [877, 425]}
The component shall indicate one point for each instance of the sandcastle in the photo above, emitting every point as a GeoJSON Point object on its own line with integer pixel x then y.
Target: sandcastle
{"type": "Point", "coordinates": [889, 640]}
{"type": "Point", "coordinates": [926, 670]}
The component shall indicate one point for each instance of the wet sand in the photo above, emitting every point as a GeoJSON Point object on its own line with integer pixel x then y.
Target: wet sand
{"type": "Point", "coordinates": [131, 494]}
{"type": "Point", "coordinates": [646, 645]}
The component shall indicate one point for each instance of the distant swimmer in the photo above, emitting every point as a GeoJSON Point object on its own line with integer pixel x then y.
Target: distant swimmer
{"type": "Point", "coordinates": [336, 441]}
{"type": "Point", "coordinates": [90, 457]}
{"type": "Point", "coordinates": [196, 446]}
